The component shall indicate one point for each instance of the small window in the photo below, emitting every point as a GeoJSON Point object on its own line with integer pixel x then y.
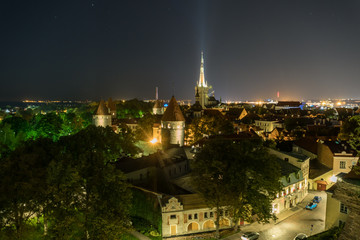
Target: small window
{"type": "Point", "coordinates": [286, 159]}
{"type": "Point", "coordinates": [190, 216]}
{"type": "Point", "coordinates": [206, 215]}
{"type": "Point", "coordinates": [342, 164]}
{"type": "Point", "coordinates": [221, 212]}
{"type": "Point", "coordinates": [343, 208]}
{"type": "Point", "coordinates": [172, 216]}
{"type": "Point", "coordinates": [195, 216]}
{"type": "Point", "coordinates": [211, 214]}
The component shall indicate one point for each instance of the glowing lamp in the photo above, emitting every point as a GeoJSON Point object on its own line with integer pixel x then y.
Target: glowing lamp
{"type": "Point", "coordinates": [154, 140]}
{"type": "Point", "coordinates": [333, 178]}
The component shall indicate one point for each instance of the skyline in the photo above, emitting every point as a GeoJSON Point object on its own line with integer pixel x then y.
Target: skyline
{"type": "Point", "coordinates": [252, 49]}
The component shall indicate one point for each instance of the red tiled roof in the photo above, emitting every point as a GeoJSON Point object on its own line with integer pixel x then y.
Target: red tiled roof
{"type": "Point", "coordinates": [173, 112]}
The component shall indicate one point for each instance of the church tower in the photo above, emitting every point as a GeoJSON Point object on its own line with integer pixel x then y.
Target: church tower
{"type": "Point", "coordinates": [201, 87]}
{"type": "Point", "coordinates": [158, 108]}
{"type": "Point", "coordinates": [102, 116]}
{"type": "Point", "coordinates": [172, 125]}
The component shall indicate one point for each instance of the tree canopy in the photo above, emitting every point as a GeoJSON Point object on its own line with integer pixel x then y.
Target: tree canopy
{"type": "Point", "coordinates": [72, 184]}
{"type": "Point", "coordinates": [240, 176]}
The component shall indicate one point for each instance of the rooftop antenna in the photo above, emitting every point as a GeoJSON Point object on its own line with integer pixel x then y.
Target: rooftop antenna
{"type": "Point", "coordinates": [156, 94]}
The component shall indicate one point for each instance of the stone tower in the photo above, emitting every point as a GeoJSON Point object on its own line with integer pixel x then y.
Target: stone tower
{"type": "Point", "coordinates": [112, 107]}
{"type": "Point", "coordinates": [172, 125]}
{"type": "Point", "coordinates": [197, 108]}
{"type": "Point", "coordinates": [158, 108]}
{"type": "Point", "coordinates": [201, 87]}
{"type": "Point", "coordinates": [102, 116]}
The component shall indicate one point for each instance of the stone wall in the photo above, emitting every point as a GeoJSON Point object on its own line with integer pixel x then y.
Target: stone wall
{"type": "Point", "coordinates": [348, 192]}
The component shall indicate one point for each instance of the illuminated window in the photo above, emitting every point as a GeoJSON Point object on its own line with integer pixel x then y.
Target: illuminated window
{"type": "Point", "coordinates": [342, 164]}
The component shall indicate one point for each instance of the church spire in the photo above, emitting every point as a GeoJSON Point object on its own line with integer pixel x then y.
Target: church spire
{"type": "Point", "coordinates": [202, 82]}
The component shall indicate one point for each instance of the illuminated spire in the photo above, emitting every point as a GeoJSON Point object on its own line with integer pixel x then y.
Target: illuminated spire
{"type": "Point", "coordinates": [202, 82]}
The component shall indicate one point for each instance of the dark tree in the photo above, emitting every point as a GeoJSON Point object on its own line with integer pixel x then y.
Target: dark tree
{"type": "Point", "coordinates": [241, 177]}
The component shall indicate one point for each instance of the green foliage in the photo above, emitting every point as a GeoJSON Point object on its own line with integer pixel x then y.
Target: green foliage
{"type": "Point", "coordinates": [242, 176]}
{"type": "Point", "coordinates": [23, 183]}
{"type": "Point", "coordinates": [145, 212]}
{"type": "Point", "coordinates": [145, 127]}
{"type": "Point", "coordinates": [210, 125]}
{"type": "Point", "coordinates": [133, 108]}
{"type": "Point", "coordinates": [47, 126]}
{"type": "Point", "coordinates": [72, 183]}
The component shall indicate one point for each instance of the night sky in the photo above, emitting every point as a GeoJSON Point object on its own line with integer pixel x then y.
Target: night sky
{"type": "Point", "coordinates": [78, 50]}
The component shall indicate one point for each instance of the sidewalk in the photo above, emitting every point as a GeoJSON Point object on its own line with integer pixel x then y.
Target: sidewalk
{"type": "Point", "coordinates": [259, 227]}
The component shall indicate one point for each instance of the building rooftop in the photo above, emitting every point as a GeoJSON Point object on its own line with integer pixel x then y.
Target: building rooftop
{"type": "Point", "coordinates": [102, 109]}
{"type": "Point", "coordinates": [173, 112]}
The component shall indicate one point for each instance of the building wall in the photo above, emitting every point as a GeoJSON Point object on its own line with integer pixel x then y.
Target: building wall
{"type": "Point", "coordinates": [304, 152]}
{"type": "Point", "coordinates": [303, 165]}
{"type": "Point", "coordinates": [180, 220]}
{"type": "Point", "coordinates": [333, 213]}
{"type": "Point", "coordinates": [349, 161]}
{"type": "Point", "coordinates": [175, 130]}
{"type": "Point", "coordinates": [325, 155]}
{"type": "Point", "coordinates": [141, 175]}
{"type": "Point", "coordinates": [290, 197]}
{"type": "Point", "coordinates": [325, 177]}
{"type": "Point", "coordinates": [158, 111]}
{"type": "Point", "coordinates": [268, 126]}
{"type": "Point", "coordinates": [203, 95]}
{"type": "Point", "coordinates": [102, 120]}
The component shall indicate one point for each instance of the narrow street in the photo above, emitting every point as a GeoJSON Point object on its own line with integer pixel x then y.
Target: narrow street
{"type": "Point", "coordinates": [289, 227]}
{"type": "Point", "coordinates": [300, 222]}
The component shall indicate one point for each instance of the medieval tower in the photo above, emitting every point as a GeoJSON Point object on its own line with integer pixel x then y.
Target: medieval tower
{"type": "Point", "coordinates": [102, 116]}
{"type": "Point", "coordinates": [172, 125]}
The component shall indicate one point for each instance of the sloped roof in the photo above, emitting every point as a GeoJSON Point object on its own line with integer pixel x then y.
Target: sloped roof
{"type": "Point", "coordinates": [340, 147]}
{"type": "Point", "coordinates": [158, 104]}
{"type": "Point", "coordinates": [309, 144]}
{"type": "Point", "coordinates": [196, 107]}
{"type": "Point", "coordinates": [173, 112]}
{"type": "Point", "coordinates": [111, 105]}
{"type": "Point", "coordinates": [102, 109]}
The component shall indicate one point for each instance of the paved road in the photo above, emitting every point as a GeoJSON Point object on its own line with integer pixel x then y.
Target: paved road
{"type": "Point", "coordinates": [299, 222]}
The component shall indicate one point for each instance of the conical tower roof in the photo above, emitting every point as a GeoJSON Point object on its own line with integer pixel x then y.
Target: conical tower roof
{"type": "Point", "coordinates": [102, 109]}
{"type": "Point", "coordinates": [157, 104]}
{"type": "Point", "coordinates": [173, 112]}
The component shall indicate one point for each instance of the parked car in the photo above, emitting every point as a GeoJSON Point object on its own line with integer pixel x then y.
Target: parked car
{"type": "Point", "coordinates": [301, 236]}
{"type": "Point", "coordinates": [316, 199]}
{"type": "Point", "coordinates": [250, 236]}
{"type": "Point", "coordinates": [311, 205]}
